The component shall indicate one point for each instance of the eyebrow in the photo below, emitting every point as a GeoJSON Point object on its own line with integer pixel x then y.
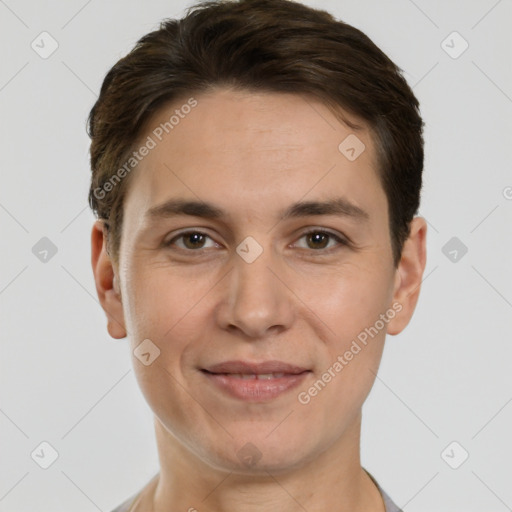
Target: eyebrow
{"type": "Point", "coordinates": [338, 206]}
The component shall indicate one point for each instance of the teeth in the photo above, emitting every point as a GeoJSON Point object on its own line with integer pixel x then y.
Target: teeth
{"type": "Point", "coordinates": [261, 376]}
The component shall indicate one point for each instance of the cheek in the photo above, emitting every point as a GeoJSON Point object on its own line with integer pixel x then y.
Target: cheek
{"type": "Point", "coordinates": [161, 308]}
{"type": "Point", "coordinates": [158, 301]}
{"type": "Point", "coordinates": [350, 304]}
{"type": "Point", "coordinates": [168, 310]}
{"type": "Point", "coordinates": [346, 300]}
{"type": "Point", "coordinates": [356, 307]}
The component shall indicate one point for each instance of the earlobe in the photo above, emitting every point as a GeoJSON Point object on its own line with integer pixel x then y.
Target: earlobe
{"type": "Point", "coordinates": [106, 282]}
{"type": "Point", "coordinates": [409, 275]}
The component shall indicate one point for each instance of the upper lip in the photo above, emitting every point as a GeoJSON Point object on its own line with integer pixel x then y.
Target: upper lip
{"type": "Point", "coordinates": [249, 368]}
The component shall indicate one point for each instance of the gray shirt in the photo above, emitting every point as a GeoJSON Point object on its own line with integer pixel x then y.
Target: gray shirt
{"type": "Point", "coordinates": [390, 506]}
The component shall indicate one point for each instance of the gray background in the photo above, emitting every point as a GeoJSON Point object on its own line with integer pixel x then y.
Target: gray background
{"type": "Point", "coordinates": [445, 378]}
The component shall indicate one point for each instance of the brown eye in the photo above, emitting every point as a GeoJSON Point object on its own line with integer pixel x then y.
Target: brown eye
{"type": "Point", "coordinates": [193, 240]}
{"type": "Point", "coordinates": [319, 240]}
{"type": "Point", "coordinates": [322, 241]}
{"type": "Point", "coordinates": [190, 240]}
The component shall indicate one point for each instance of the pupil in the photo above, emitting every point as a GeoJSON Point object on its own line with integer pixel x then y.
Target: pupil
{"type": "Point", "coordinates": [194, 237]}
{"type": "Point", "coordinates": [319, 238]}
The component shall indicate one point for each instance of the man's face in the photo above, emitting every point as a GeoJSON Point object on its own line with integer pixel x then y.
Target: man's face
{"type": "Point", "coordinates": [253, 286]}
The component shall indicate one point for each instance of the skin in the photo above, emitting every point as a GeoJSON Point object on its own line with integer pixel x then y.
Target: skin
{"type": "Point", "coordinates": [252, 155]}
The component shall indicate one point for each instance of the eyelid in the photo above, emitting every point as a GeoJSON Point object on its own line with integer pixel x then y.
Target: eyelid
{"type": "Point", "coordinates": [338, 237]}
{"type": "Point", "coordinates": [185, 232]}
{"type": "Point", "coordinates": [318, 229]}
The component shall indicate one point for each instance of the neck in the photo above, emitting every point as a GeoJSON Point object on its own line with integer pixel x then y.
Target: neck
{"type": "Point", "coordinates": [334, 480]}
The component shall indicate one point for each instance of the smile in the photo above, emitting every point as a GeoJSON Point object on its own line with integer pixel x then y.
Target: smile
{"type": "Point", "coordinates": [255, 382]}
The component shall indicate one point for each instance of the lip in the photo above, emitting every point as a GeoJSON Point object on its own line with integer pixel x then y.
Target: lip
{"type": "Point", "coordinates": [247, 367]}
{"type": "Point", "coordinates": [226, 376]}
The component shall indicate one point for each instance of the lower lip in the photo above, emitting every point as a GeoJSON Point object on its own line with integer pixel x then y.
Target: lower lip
{"type": "Point", "coordinates": [255, 390]}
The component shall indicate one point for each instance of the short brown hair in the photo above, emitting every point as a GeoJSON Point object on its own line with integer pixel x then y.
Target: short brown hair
{"type": "Point", "coordinates": [259, 45]}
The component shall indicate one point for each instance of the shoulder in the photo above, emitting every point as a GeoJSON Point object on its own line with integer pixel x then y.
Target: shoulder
{"type": "Point", "coordinates": [388, 502]}
{"type": "Point", "coordinates": [127, 505]}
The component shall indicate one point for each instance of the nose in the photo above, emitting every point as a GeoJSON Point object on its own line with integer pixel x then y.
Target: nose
{"type": "Point", "coordinates": [256, 301]}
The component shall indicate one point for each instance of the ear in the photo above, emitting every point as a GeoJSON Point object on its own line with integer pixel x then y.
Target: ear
{"type": "Point", "coordinates": [107, 282]}
{"type": "Point", "coordinates": [408, 276]}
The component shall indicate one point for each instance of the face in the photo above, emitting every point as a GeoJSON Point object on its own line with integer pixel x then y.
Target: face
{"type": "Point", "coordinates": [270, 308]}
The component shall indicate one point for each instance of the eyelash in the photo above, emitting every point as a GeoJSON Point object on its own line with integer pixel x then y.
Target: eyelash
{"type": "Point", "coordinates": [341, 241]}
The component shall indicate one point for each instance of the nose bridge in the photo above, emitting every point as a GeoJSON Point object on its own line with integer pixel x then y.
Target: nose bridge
{"type": "Point", "coordinates": [257, 299]}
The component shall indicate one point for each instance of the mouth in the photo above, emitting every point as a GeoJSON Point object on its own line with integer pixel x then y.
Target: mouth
{"type": "Point", "coordinates": [255, 382]}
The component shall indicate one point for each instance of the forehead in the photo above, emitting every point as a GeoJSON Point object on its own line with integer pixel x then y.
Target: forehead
{"type": "Point", "coordinates": [251, 145]}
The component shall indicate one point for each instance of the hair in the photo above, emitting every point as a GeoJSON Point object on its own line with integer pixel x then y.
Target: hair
{"type": "Point", "coordinates": [258, 46]}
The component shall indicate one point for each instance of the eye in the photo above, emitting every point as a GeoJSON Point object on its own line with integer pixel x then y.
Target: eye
{"type": "Point", "coordinates": [318, 239]}
{"type": "Point", "coordinates": [190, 240]}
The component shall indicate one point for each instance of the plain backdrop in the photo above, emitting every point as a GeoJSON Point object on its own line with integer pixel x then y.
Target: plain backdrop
{"type": "Point", "coordinates": [445, 379]}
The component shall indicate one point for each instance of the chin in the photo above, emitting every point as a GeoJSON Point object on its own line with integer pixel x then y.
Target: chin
{"type": "Point", "coordinates": [259, 456]}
